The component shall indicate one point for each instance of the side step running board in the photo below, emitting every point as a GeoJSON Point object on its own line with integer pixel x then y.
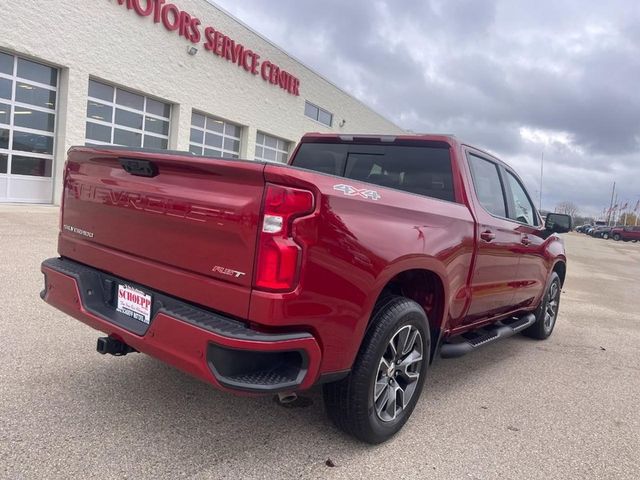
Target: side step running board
{"type": "Point", "coordinates": [470, 341]}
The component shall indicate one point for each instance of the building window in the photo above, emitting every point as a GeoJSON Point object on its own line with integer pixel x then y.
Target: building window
{"type": "Point", "coordinates": [213, 137]}
{"type": "Point", "coordinates": [28, 99]}
{"type": "Point", "coordinates": [271, 149]}
{"type": "Point", "coordinates": [119, 117]}
{"type": "Point", "coordinates": [318, 114]}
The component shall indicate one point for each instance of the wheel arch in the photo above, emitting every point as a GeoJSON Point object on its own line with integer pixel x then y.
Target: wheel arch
{"type": "Point", "coordinates": [425, 284]}
{"type": "Point", "coordinates": [560, 267]}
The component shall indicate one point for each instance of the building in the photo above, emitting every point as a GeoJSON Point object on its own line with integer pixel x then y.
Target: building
{"type": "Point", "coordinates": [150, 73]}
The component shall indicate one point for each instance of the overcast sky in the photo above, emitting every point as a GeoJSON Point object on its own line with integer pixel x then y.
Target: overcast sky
{"type": "Point", "coordinates": [517, 78]}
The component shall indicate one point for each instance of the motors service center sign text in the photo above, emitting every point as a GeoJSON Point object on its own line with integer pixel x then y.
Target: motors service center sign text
{"type": "Point", "coordinates": [216, 42]}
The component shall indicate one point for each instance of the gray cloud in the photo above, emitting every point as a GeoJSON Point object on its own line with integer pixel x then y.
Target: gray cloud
{"type": "Point", "coordinates": [513, 77]}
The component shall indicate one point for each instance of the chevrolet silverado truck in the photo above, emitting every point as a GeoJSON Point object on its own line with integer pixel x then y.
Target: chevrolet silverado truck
{"type": "Point", "coordinates": [355, 266]}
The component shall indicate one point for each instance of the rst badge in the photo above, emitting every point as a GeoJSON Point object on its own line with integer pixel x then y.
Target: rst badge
{"type": "Point", "coordinates": [350, 191]}
{"type": "Point", "coordinates": [227, 271]}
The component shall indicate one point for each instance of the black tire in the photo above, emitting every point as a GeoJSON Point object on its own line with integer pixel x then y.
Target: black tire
{"type": "Point", "coordinates": [605, 236]}
{"type": "Point", "coordinates": [350, 402]}
{"type": "Point", "coordinates": [545, 322]}
{"type": "Point", "coordinates": [616, 237]}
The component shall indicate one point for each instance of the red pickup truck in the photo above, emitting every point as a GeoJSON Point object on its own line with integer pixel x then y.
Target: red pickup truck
{"type": "Point", "coordinates": [355, 266]}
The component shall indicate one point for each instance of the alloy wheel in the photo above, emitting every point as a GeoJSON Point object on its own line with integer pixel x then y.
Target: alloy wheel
{"type": "Point", "coordinates": [551, 308]}
{"type": "Point", "coordinates": [398, 373]}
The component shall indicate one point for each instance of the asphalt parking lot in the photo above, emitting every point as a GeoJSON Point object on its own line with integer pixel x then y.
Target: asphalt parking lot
{"type": "Point", "coordinates": [565, 408]}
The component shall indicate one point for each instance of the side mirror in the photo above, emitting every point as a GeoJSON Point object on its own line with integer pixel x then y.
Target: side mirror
{"type": "Point", "coordinates": [557, 223]}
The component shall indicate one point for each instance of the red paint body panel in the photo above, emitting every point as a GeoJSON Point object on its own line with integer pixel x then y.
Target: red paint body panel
{"type": "Point", "coordinates": [168, 232]}
{"type": "Point", "coordinates": [168, 339]}
{"type": "Point", "coordinates": [357, 247]}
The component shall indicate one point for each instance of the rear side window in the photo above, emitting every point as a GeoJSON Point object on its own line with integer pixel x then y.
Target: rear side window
{"type": "Point", "coordinates": [322, 157]}
{"type": "Point", "coordinates": [486, 182]}
{"type": "Point", "coordinates": [421, 170]}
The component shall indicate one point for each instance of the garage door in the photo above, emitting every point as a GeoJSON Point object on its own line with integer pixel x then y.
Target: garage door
{"type": "Point", "coordinates": [28, 98]}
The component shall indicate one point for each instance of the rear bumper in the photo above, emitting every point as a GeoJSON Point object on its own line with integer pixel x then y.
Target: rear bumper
{"type": "Point", "coordinates": [217, 349]}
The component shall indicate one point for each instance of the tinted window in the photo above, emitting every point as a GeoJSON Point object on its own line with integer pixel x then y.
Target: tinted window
{"type": "Point", "coordinates": [486, 182]}
{"type": "Point", "coordinates": [40, 97]}
{"type": "Point", "coordinates": [37, 72]}
{"type": "Point", "coordinates": [121, 117]}
{"type": "Point", "coordinates": [32, 142]}
{"type": "Point", "coordinates": [101, 133]}
{"type": "Point", "coordinates": [6, 63]}
{"type": "Point", "coordinates": [420, 170]}
{"type": "Point", "coordinates": [271, 149]}
{"type": "Point", "coordinates": [35, 119]}
{"type": "Point", "coordinates": [101, 91]}
{"type": "Point", "coordinates": [4, 139]}
{"type": "Point", "coordinates": [5, 88]}
{"type": "Point", "coordinates": [37, 167]}
{"type": "Point", "coordinates": [5, 113]}
{"type": "Point", "coordinates": [322, 157]}
{"type": "Point", "coordinates": [223, 136]}
{"type": "Point", "coordinates": [524, 211]}
{"type": "Point", "coordinates": [319, 114]}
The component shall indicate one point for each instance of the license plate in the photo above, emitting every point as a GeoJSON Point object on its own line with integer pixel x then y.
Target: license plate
{"type": "Point", "coordinates": [134, 303]}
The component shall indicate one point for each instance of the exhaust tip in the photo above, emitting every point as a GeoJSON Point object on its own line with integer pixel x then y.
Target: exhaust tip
{"type": "Point", "coordinates": [288, 397]}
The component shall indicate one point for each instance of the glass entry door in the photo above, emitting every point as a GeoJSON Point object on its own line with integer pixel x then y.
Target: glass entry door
{"type": "Point", "coordinates": [28, 99]}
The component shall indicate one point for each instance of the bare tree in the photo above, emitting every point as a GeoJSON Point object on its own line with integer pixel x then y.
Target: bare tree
{"type": "Point", "coordinates": [568, 208]}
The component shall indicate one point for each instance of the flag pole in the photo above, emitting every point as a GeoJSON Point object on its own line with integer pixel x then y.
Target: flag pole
{"type": "Point", "coordinates": [541, 172]}
{"type": "Point", "coordinates": [611, 204]}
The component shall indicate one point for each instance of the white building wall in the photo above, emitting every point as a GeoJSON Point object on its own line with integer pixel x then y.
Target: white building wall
{"type": "Point", "coordinates": [104, 40]}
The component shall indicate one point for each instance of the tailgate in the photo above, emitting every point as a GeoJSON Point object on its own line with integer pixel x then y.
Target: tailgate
{"type": "Point", "coordinates": [190, 214]}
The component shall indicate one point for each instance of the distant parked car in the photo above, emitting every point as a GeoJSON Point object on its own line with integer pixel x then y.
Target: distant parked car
{"type": "Point", "coordinates": [626, 234]}
{"type": "Point", "coordinates": [583, 228]}
{"type": "Point", "coordinates": [602, 232]}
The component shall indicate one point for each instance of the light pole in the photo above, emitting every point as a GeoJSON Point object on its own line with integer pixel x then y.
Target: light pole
{"type": "Point", "coordinates": [541, 172]}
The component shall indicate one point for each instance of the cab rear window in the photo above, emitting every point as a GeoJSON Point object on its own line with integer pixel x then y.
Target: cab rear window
{"type": "Point", "coordinates": [421, 170]}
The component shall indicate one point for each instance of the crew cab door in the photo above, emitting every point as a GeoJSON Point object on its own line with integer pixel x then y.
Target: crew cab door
{"type": "Point", "coordinates": [532, 269]}
{"type": "Point", "coordinates": [498, 242]}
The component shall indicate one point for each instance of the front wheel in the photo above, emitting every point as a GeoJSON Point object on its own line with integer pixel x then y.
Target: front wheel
{"type": "Point", "coordinates": [380, 393]}
{"type": "Point", "coordinates": [605, 236]}
{"type": "Point", "coordinates": [616, 237]}
{"type": "Point", "coordinates": [547, 312]}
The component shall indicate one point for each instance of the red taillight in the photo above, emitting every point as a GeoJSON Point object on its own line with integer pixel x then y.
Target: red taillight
{"type": "Point", "coordinates": [278, 253]}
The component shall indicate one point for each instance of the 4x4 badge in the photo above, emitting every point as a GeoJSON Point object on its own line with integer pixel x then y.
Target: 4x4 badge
{"type": "Point", "coordinates": [353, 191]}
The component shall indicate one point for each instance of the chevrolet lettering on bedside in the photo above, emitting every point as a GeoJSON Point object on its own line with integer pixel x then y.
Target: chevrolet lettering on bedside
{"type": "Point", "coordinates": [134, 303]}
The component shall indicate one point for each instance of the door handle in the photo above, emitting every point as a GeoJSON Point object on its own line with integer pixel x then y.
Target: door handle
{"type": "Point", "coordinates": [487, 235]}
{"type": "Point", "coordinates": [525, 240]}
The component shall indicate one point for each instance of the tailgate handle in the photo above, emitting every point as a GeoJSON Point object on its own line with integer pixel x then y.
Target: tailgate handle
{"type": "Point", "coordinates": [140, 168]}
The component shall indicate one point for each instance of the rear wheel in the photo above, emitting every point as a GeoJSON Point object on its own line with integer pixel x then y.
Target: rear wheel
{"type": "Point", "coordinates": [547, 312]}
{"type": "Point", "coordinates": [380, 393]}
{"type": "Point", "coordinates": [605, 236]}
{"type": "Point", "coordinates": [616, 236]}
